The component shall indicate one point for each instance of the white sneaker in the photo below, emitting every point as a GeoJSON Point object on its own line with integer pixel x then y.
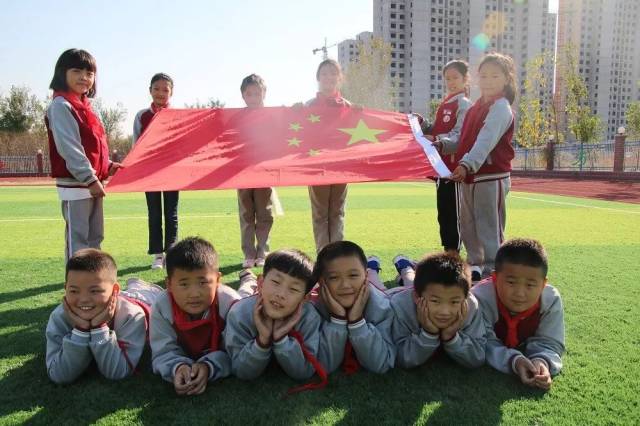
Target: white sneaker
{"type": "Point", "coordinates": [158, 261]}
{"type": "Point", "coordinates": [260, 262]}
{"type": "Point", "coordinates": [248, 263]}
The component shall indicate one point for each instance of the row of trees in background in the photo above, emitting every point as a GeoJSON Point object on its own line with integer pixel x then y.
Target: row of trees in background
{"type": "Point", "coordinates": [23, 132]}
{"type": "Point", "coordinates": [539, 122]}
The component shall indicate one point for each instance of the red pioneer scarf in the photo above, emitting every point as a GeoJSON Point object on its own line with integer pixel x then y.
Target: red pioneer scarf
{"type": "Point", "coordinates": [198, 337]}
{"type": "Point", "coordinates": [320, 371]}
{"type": "Point", "coordinates": [512, 322]}
{"type": "Point", "coordinates": [83, 107]}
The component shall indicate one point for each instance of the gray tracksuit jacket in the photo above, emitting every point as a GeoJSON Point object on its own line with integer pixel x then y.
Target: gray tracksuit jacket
{"type": "Point", "coordinates": [66, 135]}
{"type": "Point", "coordinates": [249, 359]}
{"type": "Point", "coordinates": [168, 355]}
{"type": "Point", "coordinates": [416, 346]}
{"type": "Point", "coordinates": [116, 351]}
{"type": "Point", "coordinates": [496, 124]}
{"type": "Point", "coordinates": [547, 343]}
{"type": "Point", "coordinates": [370, 337]}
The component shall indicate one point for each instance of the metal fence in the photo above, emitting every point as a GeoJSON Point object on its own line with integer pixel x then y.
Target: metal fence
{"type": "Point", "coordinates": [578, 157]}
{"type": "Point", "coordinates": [24, 165]}
{"type": "Point", "coordinates": [529, 159]}
{"type": "Point", "coordinates": [574, 157]}
{"type": "Point", "coordinates": [632, 156]}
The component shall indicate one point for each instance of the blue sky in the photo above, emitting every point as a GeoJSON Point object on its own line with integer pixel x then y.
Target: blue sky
{"type": "Point", "coordinates": [206, 46]}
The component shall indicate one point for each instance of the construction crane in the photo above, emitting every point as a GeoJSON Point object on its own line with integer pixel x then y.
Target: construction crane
{"type": "Point", "coordinates": [324, 49]}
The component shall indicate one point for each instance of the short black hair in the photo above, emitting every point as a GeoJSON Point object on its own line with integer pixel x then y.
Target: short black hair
{"type": "Point", "coordinates": [335, 250]}
{"type": "Point", "coordinates": [442, 268]}
{"type": "Point", "coordinates": [252, 79]}
{"type": "Point", "coordinates": [191, 253]}
{"type": "Point", "coordinates": [161, 76]}
{"type": "Point", "coordinates": [91, 260]}
{"type": "Point", "coordinates": [73, 58]}
{"type": "Point", "coordinates": [522, 251]}
{"type": "Point", "coordinates": [292, 262]}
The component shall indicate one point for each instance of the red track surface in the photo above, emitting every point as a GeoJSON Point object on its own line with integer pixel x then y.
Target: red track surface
{"type": "Point", "coordinates": [628, 192]}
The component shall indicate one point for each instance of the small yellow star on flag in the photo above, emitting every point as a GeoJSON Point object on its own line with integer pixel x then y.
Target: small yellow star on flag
{"type": "Point", "coordinates": [295, 127]}
{"type": "Point", "coordinates": [362, 132]}
{"type": "Point", "coordinates": [294, 142]}
{"type": "Point", "coordinates": [313, 118]}
{"type": "Point", "coordinates": [314, 152]}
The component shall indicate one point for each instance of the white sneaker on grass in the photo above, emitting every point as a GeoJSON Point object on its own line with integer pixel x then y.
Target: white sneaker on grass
{"type": "Point", "coordinates": [158, 261]}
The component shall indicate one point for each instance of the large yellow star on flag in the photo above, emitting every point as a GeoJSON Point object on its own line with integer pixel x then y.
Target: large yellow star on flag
{"type": "Point", "coordinates": [362, 132]}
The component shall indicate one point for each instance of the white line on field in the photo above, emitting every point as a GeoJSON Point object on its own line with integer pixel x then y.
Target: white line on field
{"type": "Point", "coordinates": [565, 203]}
{"type": "Point", "coordinates": [576, 204]}
{"type": "Point", "coordinates": [43, 219]}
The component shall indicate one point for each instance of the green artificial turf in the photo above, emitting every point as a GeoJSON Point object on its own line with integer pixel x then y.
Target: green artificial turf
{"type": "Point", "coordinates": [593, 246]}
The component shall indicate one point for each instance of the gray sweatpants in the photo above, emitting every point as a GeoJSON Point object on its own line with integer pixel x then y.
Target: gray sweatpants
{"type": "Point", "coordinates": [483, 217]}
{"type": "Point", "coordinates": [84, 224]}
{"type": "Point", "coordinates": [256, 220]}
{"type": "Point", "coordinates": [327, 213]}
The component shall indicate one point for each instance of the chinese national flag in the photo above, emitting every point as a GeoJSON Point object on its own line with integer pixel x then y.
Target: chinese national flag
{"type": "Point", "coordinates": [280, 146]}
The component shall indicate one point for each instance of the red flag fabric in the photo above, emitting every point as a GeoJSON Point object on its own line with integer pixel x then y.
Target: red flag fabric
{"type": "Point", "coordinates": [187, 149]}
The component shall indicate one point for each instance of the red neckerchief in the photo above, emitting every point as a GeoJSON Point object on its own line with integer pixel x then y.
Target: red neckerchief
{"type": "Point", "coordinates": [156, 109]}
{"type": "Point", "coordinates": [83, 107]}
{"type": "Point", "coordinates": [197, 336]}
{"type": "Point", "coordinates": [512, 321]}
{"type": "Point", "coordinates": [350, 363]}
{"type": "Point", "coordinates": [320, 371]}
{"type": "Point", "coordinates": [335, 99]}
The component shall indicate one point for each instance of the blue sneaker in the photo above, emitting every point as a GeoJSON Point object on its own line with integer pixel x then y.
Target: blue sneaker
{"type": "Point", "coordinates": [401, 262]}
{"type": "Point", "coordinates": [373, 262]}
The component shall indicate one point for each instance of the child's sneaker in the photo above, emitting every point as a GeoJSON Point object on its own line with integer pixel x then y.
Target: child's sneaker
{"type": "Point", "coordinates": [158, 261]}
{"type": "Point", "coordinates": [248, 283]}
{"type": "Point", "coordinates": [373, 262]}
{"type": "Point", "coordinates": [476, 274]}
{"type": "Point", "coordinates": [403, 265]}
{"type": "Point", "coordinates": [401, 262]}
{"type": "Point", "coordinates": [248, 263]}
{"type": "Point", "coordinates": [245, 274]}
{"type": "Point", "coordinates": [260, 262]}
